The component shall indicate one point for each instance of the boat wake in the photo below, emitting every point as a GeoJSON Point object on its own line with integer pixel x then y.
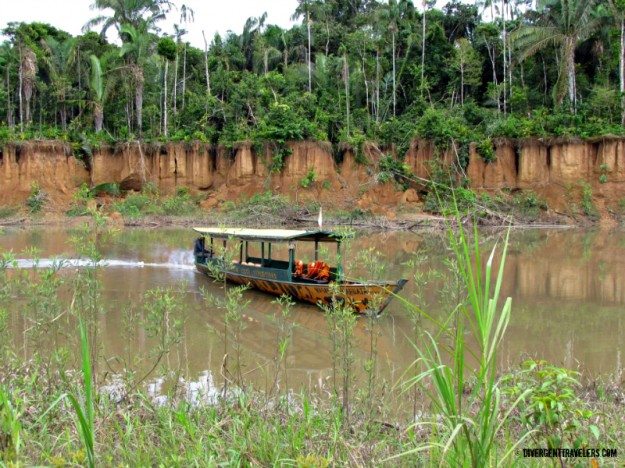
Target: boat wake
{"type": "Point", "coordinates": [60, 263]}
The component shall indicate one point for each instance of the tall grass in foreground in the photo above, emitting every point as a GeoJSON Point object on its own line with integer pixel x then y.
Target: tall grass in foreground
{"type": "Point", "coordinates": [467, 399]}
{"type": "Point", "coordinates": [85, 412]}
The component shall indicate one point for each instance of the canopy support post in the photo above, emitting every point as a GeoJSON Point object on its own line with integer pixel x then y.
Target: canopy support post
{"type": "Point", "coordinates": [291, 257]}
{"type": "Point", "coordinates": [339, 261]}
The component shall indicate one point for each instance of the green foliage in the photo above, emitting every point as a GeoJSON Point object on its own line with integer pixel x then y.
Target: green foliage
{"type": "Point", "coordinates": [467, 429]}
{"type": "Point", "coordinates": [84, 411]}
{"type": "Point", "coordinates": [8, 211]}
{"type": "Point", "coordinates": [182, 203]}
{"type": "Point", "coordinates": [10, 429]}
{"type": "Point", "coordinates": [550, 405]}
{"type": "Point", "coordinates": [393, 169]}
{"type": "Point", "coordinates": [308, 179]}
{"type": "Point", "coordinates": [107, 188]}
{"type": "Point", "coordinates": [365, 69]}
{"type": "Point", "coordinates": [258, 206]}
{"type": "Point", "coordinates": [529, 204]}
{"type": "Point", "coordinates": [36, 199]}
{"type": "Point", "coordinates": [588, 205]}
{"type": "Point", "coordinates": [485, 149]}
{"type": "Point", "coordinates": [135, 205]}
{"type": "Point", "coordinates": [603, 176]}
{"type": "Point", "coordinates": [166, 48]}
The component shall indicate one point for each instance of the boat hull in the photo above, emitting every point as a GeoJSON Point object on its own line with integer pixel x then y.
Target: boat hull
{"type": "Point", "coordinates": [362, 297]}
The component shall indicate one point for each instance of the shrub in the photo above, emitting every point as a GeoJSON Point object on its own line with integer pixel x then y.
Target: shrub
{"type": "Point", "coordinates": [37, 198]}
{"type": "Point", "coordinates": [588, 205]}
{"type": "Point", "coordinates": [180, 204]}
{"type": "Point", "coordinates": [549, 404]}
{"type": "Point", "coordinates": [134, 205]}
{"type": "Point", "coordinates": [309, 179]}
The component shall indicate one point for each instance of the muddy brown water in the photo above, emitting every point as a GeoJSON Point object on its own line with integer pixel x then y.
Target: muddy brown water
{"type": "Point", "coordinates": [567, 286]}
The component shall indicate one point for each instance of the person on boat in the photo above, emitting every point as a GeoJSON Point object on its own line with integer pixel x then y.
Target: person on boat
{"type": "Point", "coordinates": [312, 270]}
{"type": "Point", "coordinates": [299, 269]}
{"type": "Point", "coordinates": [199, 249]}
{"type": "Point", "coordinates": [324, 272]}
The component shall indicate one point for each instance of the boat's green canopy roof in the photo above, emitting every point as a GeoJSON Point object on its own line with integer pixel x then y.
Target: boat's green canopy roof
{"type": "Point", "coordinates": [268, 235]}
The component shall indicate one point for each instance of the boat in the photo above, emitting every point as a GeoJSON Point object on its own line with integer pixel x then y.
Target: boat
{"type": "Point", "coordinates": [316, 282]}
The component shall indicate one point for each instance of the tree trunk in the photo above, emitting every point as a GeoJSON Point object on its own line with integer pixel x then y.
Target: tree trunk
{"type": "Point", "coordinates": [309, 54]}
{"type": "Point", "coordinates": [285, 57]}
{"type": "Point", "coordinates": [505, 60]}
{"type": "Point", "coordinates": [364, 76]}
{"type": "Point", "coordinates": [184, 75]}
{"type": "Point", "coordinates": [394, 78]}
{"type": "Point", "coordinates": [63, 112]}
{"type": "Point", "coordinates": [327, 39]}
{"type": "Point", "coordinates": [570, 72]}
{"type": "Point", "coordinates": [20, 92]}
{"type": "Point", "coordinates": [98, 116]}
{"type": "Point", "coordinates": [346, 80]}
{"type": "Point", "coordinates": [165, 123]}
{"type": "Point", "coordinates": [377, 86]}
{"type": "Point", "coordinates": [175, 87]}
{"type": "Point", "coordinates": [423, 49]}
{"type": "Point", "coordinates": [461, 82]}
{"type": "Point", "coordinates": [28, 73]}
{"type": "Point", "coordinates": [622, 70]}
{"type": "Point", "coordinates": [208, 80]}
{"type": "Point", "coordinates": [9, 107]}
{"type": "Point", "coordinates": [139, 81]}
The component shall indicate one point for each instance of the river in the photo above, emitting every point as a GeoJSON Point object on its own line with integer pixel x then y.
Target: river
{"type": "Point", "coordinates": [567, 287]}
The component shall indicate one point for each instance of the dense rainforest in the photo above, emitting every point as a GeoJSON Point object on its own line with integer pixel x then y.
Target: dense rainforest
{"type": "Point", "coordinates": [348, 71]}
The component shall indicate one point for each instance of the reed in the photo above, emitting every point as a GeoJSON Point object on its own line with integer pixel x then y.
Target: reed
{"type": "Point", "coordinates": [468, 398]}
{"type": "Point", "coordinates": [84, 410]}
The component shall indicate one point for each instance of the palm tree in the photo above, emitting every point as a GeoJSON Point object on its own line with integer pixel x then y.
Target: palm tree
{"type": "Point", "coordinates": [133, 19]}
{"type": "Point", "coordinates": [58, 58]}
{"type": "Point", "coordinates": [27, 76]}
{"type": "Point", "coordinates": [264, 53]}
{"type": "Point", "coordinates": [390, 16]}
{"type": "Point", "coordinates": [566, 24]}
{"type": "Point", "coordinates": [96, 83]}
{"type": "Point", "coordinates": [129, 12]}
{"type": "Point", "coordinates": [187, 15]}
{"type": "Point", "coordinates": [136, 50]}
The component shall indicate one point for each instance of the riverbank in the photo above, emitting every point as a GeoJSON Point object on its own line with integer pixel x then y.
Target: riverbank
{"type": "Point", "coordinates": [150, 209]}
{"type": "Point", "coordinates": [523, 181]}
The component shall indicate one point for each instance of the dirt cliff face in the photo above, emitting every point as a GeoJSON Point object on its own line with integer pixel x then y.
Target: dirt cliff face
{"type": "Point", "coordinates": [556, 170]}
{"type": "Point", "coordinates": [49, 164]}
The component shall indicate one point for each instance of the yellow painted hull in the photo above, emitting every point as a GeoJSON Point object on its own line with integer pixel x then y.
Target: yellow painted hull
{"type": "Point", "coordinates": [362, 297]}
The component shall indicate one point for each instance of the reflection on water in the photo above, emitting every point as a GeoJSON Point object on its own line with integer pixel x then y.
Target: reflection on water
{"type": "Point", "coordinates": [568, 290]}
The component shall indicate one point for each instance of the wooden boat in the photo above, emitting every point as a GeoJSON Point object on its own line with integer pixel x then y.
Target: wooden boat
{"type": "Point", "coordinates": [285, 277]}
